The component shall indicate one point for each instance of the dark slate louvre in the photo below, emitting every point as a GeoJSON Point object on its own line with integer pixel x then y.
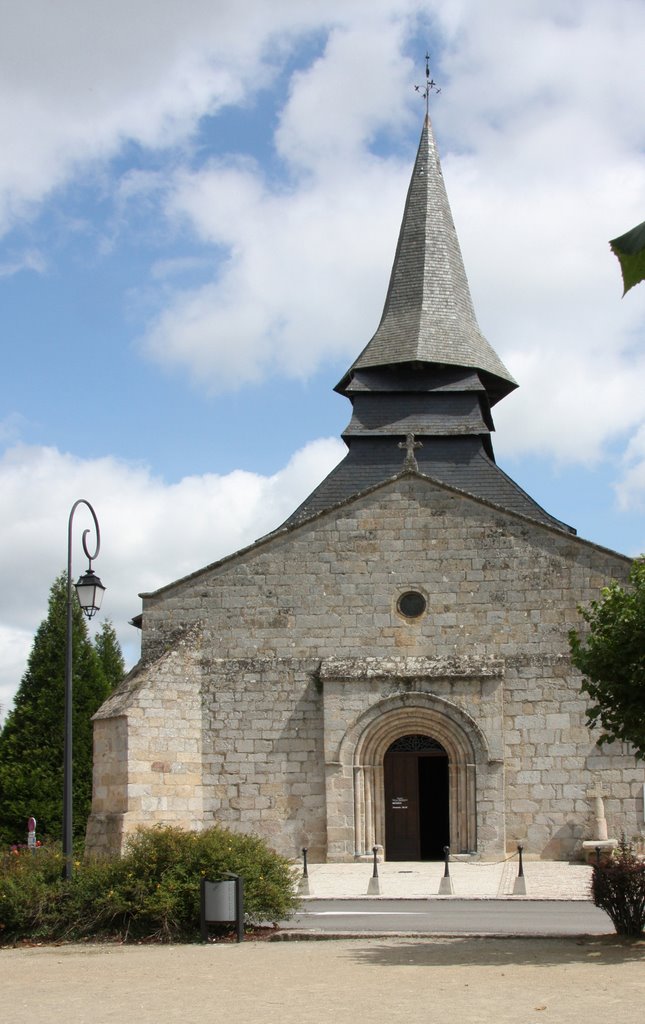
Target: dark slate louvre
{"type": "Point", "coordinates": [428, 370]}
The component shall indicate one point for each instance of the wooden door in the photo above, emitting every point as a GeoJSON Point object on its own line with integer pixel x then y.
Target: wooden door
{"type": "Point", "coordinates": [401, 777]}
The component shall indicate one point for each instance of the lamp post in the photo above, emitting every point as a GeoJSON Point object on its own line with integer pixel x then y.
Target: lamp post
{"type": "Point", "coordinates": [89, 590]}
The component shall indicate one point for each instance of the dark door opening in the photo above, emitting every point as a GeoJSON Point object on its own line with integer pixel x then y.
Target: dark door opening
{"type": "Point", "coordinates": [417, 822]}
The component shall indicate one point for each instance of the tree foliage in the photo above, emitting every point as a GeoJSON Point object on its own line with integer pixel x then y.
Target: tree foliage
{"type": "Point", "coordinates": [611, 656]}
{"type": "Point", "coordinates": [630, 251]}
{"type": "Point", "coordinates": [618, 888]}
{"type": "Point", "coordinates": [108, 649]}
{"type": "Point", "coordinates": [32, 739]}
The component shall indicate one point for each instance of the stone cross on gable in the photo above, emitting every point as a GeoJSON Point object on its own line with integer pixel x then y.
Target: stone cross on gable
{"type": "Point", "coordinates": [410, 444]}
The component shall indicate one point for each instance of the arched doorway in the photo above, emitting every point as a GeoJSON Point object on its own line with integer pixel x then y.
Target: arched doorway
{"type": "Point", "coordinates": [364, 749]}
{"type": "Point", "coordinates": [417, 808]}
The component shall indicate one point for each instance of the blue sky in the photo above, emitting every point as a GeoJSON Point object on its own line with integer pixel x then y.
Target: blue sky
{"type": "Point", "coordinates": [199, 205]}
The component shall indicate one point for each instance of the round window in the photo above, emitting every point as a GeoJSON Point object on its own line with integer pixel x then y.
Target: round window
{"type": "Point", "coordinates": [412, 604]}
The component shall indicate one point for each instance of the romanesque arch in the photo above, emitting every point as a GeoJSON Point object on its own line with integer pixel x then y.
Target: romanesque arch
{"type": "Point", "coordinates": [365, 746]}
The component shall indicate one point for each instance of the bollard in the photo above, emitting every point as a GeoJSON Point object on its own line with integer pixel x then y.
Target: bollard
{"type": "Point", "coordinates": [519, 885]}
{"type": "Point", "coordinates": [598, 852]}
{"type": "Point", "coordinates": [374, 885]}
{"type": "Point", "coordinates": [445, 885]}
{"type": "Point", "coordinates": [303, 886]}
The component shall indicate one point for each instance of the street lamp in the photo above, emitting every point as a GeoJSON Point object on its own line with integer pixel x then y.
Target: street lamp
{"type": "Point", "coordinates": [89, 590]}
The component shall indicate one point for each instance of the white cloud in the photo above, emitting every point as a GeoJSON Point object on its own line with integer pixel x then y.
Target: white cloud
{"type": "Point", "coordinates": [151, 532]}
{"type": "Point", "coordinates": [573, 403]}
{"type": "Point", "coordinates": [359, 86]}
{"type": "Point", "coordinates": [15, 645]}
{"type": "Point", "coordinates": [29, 260]}
{"type": "Point", "coordinates": [547, 168]}
{"type": "Point", "coordinates": [630, 491]}
{"type": "Point", "coordinates": [542, 135]}
{"type": "Point", "coordinates": [541, 123]}
{"type": "Point", "coordinates": [305, 269]}
{"type": "Point", "coordinates": [79, 80]}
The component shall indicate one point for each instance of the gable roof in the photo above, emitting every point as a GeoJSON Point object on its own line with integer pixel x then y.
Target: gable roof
{"type": "Point", "coordinates": [460, 463]}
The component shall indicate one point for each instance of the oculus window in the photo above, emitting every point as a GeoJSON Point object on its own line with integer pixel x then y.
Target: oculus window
{"type": "Point", "coordinates": [411, 604]}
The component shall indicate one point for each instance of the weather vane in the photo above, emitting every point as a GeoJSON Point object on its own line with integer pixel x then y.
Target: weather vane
{"type": "Point", "coordinates": [430, 86]}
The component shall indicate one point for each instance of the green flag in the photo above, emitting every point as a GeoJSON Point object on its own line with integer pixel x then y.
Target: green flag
{"type": "Point", "coordinates": [630, 250]}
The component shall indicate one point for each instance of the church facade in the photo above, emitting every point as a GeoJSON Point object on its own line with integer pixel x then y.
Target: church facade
{"type": "Point", "coordinates": [391, 666]}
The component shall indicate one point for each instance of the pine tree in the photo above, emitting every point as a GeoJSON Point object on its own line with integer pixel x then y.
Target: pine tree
{"type": "Point", "coordinates": [108, 649]}
{"type": "Point", "coordinates": [32, 739]}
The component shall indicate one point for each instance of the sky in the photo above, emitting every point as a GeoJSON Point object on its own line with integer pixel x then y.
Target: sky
{"type": "Point", "coordinates": [199, 206]}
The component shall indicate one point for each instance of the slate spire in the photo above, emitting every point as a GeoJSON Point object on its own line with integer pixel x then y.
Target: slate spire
{"type": "Point", "coordinates": [426, 381]}
{"type": "Point", "coordinates": [428, 317]}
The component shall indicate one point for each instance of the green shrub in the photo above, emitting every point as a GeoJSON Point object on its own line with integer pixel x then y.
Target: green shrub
{"type": "Point", "coordinates": [31, 894]}
{"type": "Point", "coordinates": [151, 892]}
{"type": "Point", "coordinates": [618, 888]}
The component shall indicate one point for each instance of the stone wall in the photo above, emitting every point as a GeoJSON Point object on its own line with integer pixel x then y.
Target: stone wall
{"type": "Point", "coordinates": [263, 757]}
{"type": "Point", "coordinates": [235, 694]}
{"type": "Point", "coordinates": [148, 753]}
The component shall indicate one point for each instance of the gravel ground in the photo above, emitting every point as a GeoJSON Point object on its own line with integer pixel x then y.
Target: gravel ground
{"type": "Point", "coordinates": [468, 980]}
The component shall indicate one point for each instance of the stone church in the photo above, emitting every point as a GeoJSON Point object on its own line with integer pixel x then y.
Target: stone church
{"type": "Point", "coordinates": [390, 666]}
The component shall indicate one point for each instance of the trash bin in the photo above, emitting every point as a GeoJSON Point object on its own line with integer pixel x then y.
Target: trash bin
{"type": "Point", "coordinates": [220, 902]}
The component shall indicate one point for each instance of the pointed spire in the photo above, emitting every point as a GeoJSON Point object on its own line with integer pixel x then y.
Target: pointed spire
{"type": "Point", "coordinates": [428, 315]}
{"type": "Point", "coordinates": [427, 379]}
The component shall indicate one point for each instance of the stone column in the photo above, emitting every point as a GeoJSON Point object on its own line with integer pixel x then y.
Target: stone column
{"type": "Point", "coordinates": [597, 794]}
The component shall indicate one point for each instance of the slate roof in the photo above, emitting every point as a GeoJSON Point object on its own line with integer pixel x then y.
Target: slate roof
{"type": "Point", "coordinates": [428, 370]}
{"type": "Point", "coordinates": [402, 414]}
{"type": "Point", "coordinates": [458, 462]}
{"type": "Point", "coordinates": [428, 315]}
{"type": "Point", "coordinates": [417, 377]}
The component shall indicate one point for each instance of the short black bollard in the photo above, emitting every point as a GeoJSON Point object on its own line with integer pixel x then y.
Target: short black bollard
{"type": "Point", "coordinates": [445, 885]}
{"type": "Point", "coordinates": [598, 852]}
{"type": "Point", "coordinates": [374, 884]}
{"type": "Point", "coordinates": [446, 855]}
{"type": "Point", "coordinates": [519, 885]}
{"type": "Point", "coordinates": [303, 884]}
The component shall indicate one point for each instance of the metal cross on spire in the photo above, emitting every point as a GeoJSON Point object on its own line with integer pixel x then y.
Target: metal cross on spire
{"type": "Point", "coordinates": [430, 86]}
{"type": "Point", "coordinates": [410, 444]}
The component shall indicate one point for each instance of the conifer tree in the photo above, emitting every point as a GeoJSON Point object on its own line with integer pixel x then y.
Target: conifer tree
{"type": "Point", "coordinates": [108, 649]}
{"type": "Point", "coordinates": [32, 739]}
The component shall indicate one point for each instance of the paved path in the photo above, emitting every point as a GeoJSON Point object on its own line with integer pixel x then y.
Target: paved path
{"type": "Point", "coordinates": [471, 981]}
{"type": "Point", "coordinates": [545, 880]}
{"type": "Point", "coordinates": [454, 916]}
